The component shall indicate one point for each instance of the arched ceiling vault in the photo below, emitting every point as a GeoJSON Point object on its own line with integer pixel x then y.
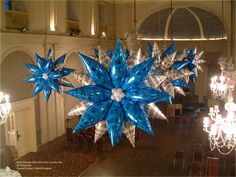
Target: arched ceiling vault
{"type": "Point", "coordinates": [187, 23]}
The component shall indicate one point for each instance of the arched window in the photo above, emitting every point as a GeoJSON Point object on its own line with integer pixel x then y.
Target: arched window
{"type": "Point", "coordinates": [8, 5]}
{"type": "Point", "coordinates": [187, 23]}
{"type": "Point", "coordinates": [13, 74]}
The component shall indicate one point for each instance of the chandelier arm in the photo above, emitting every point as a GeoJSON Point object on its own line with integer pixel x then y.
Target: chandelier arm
{"type": "Point", "coordinates": [206, 129]}
{"type": "Point", "coordinates": [212, 144]}
{"type": "Point", "coordinates": [228, 152]}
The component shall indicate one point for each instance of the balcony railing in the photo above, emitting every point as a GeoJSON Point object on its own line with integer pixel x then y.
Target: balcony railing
{"type": "Point", "coordinates": [16, 19]}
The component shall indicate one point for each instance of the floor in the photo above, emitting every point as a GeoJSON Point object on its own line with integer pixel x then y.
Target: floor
{"type": "Point", "coordinates": [59, 158]}
{"type": "Point", "coordinates": [152, 156]}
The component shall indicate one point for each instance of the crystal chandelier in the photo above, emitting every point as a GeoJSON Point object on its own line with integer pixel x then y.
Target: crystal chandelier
{"type": "Point", "coordinates": [220, 84]}
{"type": "Point", "coordinates": [218, 87]}
{"type": "Point", "coordinates": [222, 129]}
{"type": "Point", "coordinates": [5, 107]}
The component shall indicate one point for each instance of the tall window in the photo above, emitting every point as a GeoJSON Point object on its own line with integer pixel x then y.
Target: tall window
{"type": "Point", "coordinates": [8, 4]}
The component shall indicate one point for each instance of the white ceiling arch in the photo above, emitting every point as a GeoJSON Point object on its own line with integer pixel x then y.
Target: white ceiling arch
{"type": "Point", "coordinates": [187, 23]}
{"type": "Point", "coordinates": [146, 11]}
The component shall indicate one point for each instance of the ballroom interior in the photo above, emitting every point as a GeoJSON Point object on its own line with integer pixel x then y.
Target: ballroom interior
{"type": "Point", "coordinates": [189, 99]}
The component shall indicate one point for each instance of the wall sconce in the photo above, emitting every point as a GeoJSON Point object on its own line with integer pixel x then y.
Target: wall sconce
{"type": "Point", "coordinates": [52, 23]}
{"type": "Point", "coordinates": [92, 20]}
{"type": "Point", "coordinates": [52, 26]}
{"type": "Point", "coordinates": [103, 35]}
{"type": "Point", "coordinates": [92, 29]}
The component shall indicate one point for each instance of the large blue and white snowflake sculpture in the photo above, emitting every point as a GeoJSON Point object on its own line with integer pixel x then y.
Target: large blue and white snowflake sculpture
{"type": "Point", "coordinates": [118, 95]}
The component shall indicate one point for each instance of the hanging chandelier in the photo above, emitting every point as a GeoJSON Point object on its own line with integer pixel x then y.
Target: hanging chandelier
{"type": "Point", "coordinates": [218, 87]}
{"type": "Point", "coordinates": [5, 107]}
{"type": "Point", "coordinates": [221, 126]}
{"type": "Point", "coordinates": [219, 84]}
{"type": "Point", "coordinates": [221, 129]}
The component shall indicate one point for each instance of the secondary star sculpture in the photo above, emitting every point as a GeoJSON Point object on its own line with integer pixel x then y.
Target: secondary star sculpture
{"type": "Point", "coordinates": [49, 74]}
{"type": "Point", "coordinates": [172, 69]}
{"type": "Point", "coordinates": [118, 95]}
{"type": "Point", "coordinates": [195, 62]}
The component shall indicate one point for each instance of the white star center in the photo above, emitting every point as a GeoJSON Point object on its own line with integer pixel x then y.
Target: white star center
{"type": "Point", "coordinates": [117, 94]}
{"type": "Point", "coordinates": [45, 76]}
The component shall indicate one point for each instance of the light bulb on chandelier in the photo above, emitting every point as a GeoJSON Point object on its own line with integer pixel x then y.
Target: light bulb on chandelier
{"type": "Point", "coordinates": [218, 86]}
{"type": "Point", "coordinates": [5, 107]}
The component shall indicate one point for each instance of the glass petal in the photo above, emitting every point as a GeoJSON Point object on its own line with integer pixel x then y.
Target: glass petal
{"type": "Point", "coordinates": [94, 114]}
{"type": "Point", "coordinates": [39, 86]}
{"type": "Point", "coordinates": [192, 54]}
{"type": "Point", "coordinates": [118, 66]}
{"type": "Point", "coordinates": [145, 95]}
{"type": "Point", "coordinates": [138, 74]}
{"type": "Point", "coordinates": [193, 77]}
{"type": "Point", "coordinates": [191, 67]}
{"type": "Point", "coordinates": [65, 82]}
{"type": "Point", "coordinates": [33, 68]}
{"type": "Point", "coordinates": [136, 116]}
{"type": "Point", "coordinates": [179, 83]}
{"type": "Point", "coordinates": [115, 122]}
{"type": "Point", "coordinates": [169, 50]}
{"type": "Point", "coordinates": [48, 66]}
{"type": "Point", "coordinates": [40, 61]}
{"type": "Point", "coordinates": [109, 53]}
{"type": "Point", "coordinates": [96, 52]}
{"type": "Point", "coordinates": [50, 53]}
{"type": "Point", "coordinates": [60, 60]}
{"type": "Point", "coordinates": [96, 71]}
{"type": "Point", "coordinates": [55, 75]}
{"type": "Point", "coordinates": [66, 71]}
{"type": "Point", "coordinates": [178, 65]}
{"type": "Point", "coordinates": [54, 84]}
{"type": "Point", "coordinates": [31, 79]}
{"type": "Point", "coordinates": [149, 50]}
{"type": "Point", "coordinates": [47, 92]}
{"type": "Point", "coordinates": [90, 93]}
